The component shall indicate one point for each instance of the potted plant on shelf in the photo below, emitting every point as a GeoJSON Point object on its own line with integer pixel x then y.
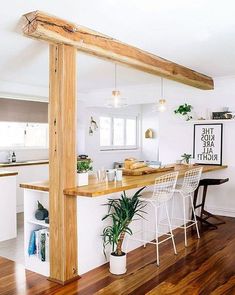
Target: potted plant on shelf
{"type": "Point", "coordinates": [186, 158]}
{"type": "Point", "coordinates": [83, 167]}
{"type": "Point", "coordinates": [184, 110]}
{"type": "Point", "coordinates": [121, 212]}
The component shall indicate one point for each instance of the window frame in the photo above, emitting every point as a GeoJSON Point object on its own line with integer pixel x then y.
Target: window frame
{"type": "Point", "coordinates": [120, 147]}
{"type": "Point", "coordinates": [24, 147]}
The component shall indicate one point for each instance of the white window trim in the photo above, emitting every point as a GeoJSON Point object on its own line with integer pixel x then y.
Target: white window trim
{"type": "Point", "coordinates": [124, 147]}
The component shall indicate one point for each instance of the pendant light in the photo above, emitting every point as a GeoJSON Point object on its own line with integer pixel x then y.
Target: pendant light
{"type": "Point", "coordinates": [161, 106]}
{"type": "Point", "coordinates": [116, 101]}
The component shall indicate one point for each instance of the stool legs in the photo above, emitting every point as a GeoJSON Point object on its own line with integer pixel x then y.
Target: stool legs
{"type": "Point", "coordinates": [156, 235]}
{"type": "Point", "coordinates": [185, 223]}
{"type": "Point", "coordinates": [157, 232]}
{"type": "Point", "coordinates": [172, 207]}
{"type": "Point", "coordinates": [170, 228]}
{"type": "Point", "coordinates": [194, 215]}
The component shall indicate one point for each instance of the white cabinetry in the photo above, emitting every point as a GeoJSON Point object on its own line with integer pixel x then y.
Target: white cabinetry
{"type": "Point", "coordinates": [7, 207]}
{"type": "Point", "coordinates": [27, 174]}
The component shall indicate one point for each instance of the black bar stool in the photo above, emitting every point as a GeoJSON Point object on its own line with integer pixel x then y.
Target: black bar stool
{"type": "Point", "coordinates": [204, 215]}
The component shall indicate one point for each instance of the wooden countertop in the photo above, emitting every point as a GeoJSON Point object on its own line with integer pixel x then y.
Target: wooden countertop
{"type": "Point", "coordinates": [95, 189]}
{"type": "Point", "coordinates": [33, 162]}
{"type": "Point", "coordinates": [7, 173]}
{"type": "Point", "coordinates": [24, 163]}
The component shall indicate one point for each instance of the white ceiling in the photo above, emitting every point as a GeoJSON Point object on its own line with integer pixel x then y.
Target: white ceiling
{"type": "Point", "coordinates": [198, 34]}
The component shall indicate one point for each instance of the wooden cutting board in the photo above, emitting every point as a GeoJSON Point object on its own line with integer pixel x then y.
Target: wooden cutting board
{"type": "Point", "coordinates": [146, 170]}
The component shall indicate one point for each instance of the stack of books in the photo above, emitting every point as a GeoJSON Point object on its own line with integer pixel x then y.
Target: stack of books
{"type": "Point", "coordinates": [39, 244]}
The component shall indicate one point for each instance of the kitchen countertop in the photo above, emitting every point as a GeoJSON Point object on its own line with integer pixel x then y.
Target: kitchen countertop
{"type": "Point", "coordinates": [95, 188]}
{"type": "Point", "coordinates": [24, 163]}
{"type": "Point", "coordinates": [7, 173]}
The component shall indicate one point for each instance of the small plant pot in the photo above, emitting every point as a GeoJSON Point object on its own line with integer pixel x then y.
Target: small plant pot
{"type": "Point", "coordinates": [117, 264]}
{"type": "Point", "coordinates": [82, 179]}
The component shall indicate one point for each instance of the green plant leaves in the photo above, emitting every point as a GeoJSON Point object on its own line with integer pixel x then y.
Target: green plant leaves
{"type": "Point", "coordinates": [183, 109]}
{"type": "Point", "coordinates": [186, 157]}
{"type": "Point", "coordinates": [121, 211]}
{"type": "Point", "coordinates": [83, 166]}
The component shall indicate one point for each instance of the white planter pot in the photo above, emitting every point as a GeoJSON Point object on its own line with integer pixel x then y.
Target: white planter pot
{"type": "Point", "coordinates": [82, 178]}
{"type": "Point", "coordinates": [117, 264]}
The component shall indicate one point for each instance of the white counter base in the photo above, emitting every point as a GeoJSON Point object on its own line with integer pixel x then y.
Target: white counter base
{"type": "Point", "coordinates": [7, 208]}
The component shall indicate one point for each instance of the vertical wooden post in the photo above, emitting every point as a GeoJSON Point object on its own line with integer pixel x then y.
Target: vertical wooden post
{"type": "Point", "coordinates": [62, 163]}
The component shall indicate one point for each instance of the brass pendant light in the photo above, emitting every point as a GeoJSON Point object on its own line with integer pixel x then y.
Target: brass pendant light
{"type": "Point", "coordinates": [116, 101]}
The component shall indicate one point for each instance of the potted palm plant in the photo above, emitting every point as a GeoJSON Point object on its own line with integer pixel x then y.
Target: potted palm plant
{"type": "Point", "coordinates": [186, 158]}
{"type": "Point", "coordinates": [121, 212]}
{"type": "Point", "coordinates": [83, 167]}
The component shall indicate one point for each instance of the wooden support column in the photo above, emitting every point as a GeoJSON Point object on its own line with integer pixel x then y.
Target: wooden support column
{"type": "Point", "coordinates": [62, 163]}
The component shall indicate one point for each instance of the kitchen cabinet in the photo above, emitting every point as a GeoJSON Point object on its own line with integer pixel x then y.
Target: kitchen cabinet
{"type": "Point", "coordinates": [27, 173]}
{"type": "Point", "coordinates": [7, 205]}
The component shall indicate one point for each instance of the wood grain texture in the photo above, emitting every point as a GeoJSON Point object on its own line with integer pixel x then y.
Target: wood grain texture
{"type": "Point", "coordinates": [145, 170]}
{"type": "Point", "coordinates": [38, 186]}
{"type": "Point", "coordinates": [62, 162]}
{"type": "Point", "coordinates": [129, 182]}
{"type": "Point", "coordinates": [95, 189]}
{"type": "Point", "coordinates": [205, 267]}
{"type": "Point", "coordinates": [46, 27]}
{"type": "Point", "coordinates": [25, 163]}
{"type": "Point", "coordinates": [8, 173]}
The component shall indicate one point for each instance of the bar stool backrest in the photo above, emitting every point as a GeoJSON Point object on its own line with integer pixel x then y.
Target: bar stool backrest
{"type": "Point", "coordinates": [191, 180]}
{"type": "Point", "coordinates": [164, 187]}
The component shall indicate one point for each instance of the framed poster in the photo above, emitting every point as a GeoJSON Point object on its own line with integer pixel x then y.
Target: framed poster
{"type": "Point", "coordinates": [207, 144]}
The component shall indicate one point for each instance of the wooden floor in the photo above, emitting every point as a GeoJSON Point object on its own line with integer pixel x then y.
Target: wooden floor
{"type": "Point", "coordinates": [207, 266]}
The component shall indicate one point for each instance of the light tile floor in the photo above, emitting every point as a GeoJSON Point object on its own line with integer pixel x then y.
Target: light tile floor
{"type": "Point", "coordinates": [14, 249]}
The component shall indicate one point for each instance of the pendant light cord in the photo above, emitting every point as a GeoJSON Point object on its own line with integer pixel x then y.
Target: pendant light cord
{"type": "Point", "coordinates": [162, 88]}
{"type": "Point", "coordinates": [115, 77]}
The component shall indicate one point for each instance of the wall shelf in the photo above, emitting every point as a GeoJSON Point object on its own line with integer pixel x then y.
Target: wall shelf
{"type": "Point", "coordinates": [38, 222]}
{"type": "Point", "coordinates": [211, 121]}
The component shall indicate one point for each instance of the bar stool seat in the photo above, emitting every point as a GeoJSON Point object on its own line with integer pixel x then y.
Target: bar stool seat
{"type": "Point", "coordinates": [148, 197]}
{"type": "Point", "coordinates": [205, 215]}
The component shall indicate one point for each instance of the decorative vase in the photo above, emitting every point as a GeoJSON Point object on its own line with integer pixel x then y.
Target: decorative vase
{"type": "Point", "coordinates": [41, 213]}
{"type": "Point", "coordinates": [82, 178]}
{"type": "Point", "coordinates": [117, 264]}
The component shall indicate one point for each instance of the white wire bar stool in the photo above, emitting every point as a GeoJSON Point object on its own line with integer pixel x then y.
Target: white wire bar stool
{"type": "Point", "coordinates": [186, 190]}
{"type": "Point", "coordinates": [164, 188]}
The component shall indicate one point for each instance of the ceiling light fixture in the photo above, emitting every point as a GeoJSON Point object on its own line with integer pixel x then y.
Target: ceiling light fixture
{"type": "Point", "coordinates": [116, 101]}
{"type": "Point", "coordinates": [161, 106]}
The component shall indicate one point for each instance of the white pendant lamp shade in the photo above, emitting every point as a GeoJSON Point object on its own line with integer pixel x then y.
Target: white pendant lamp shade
{"type": "Point", "coordinates": [161, 105]}
{"type": "Point", "coordinates": [116, 101]}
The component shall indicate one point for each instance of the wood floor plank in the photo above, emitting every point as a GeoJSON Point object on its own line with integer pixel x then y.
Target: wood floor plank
{"type": "Point", "coordinates": [205, 267]}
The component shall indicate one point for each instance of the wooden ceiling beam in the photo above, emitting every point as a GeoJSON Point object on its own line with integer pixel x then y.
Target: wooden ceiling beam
{"type": "Point", "coordinates": [55, 30]}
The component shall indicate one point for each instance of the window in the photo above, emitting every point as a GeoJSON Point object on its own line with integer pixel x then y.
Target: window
{"type": "Point", "coordinates": [118, 133]}
{"type": "Point", "coordinates": [23, 135]}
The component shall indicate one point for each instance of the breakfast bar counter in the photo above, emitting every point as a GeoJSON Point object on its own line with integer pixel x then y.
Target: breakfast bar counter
{"type": "Point", "coordinates": [90, 200]}
{"type": "Point", "coordinates": [95, 188]}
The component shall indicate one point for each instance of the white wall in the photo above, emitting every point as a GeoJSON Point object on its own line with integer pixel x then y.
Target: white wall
{"type": "Point", "coordinates": [81, 127]}
{"type": "Point", "coordinates": [107, 158]}
{"type": "Point", "coordinates": [25, 154]}
{"type": "Point", "coordinates": [176, 136]}
{"type": "Point", "coordinates": [149, 120]}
